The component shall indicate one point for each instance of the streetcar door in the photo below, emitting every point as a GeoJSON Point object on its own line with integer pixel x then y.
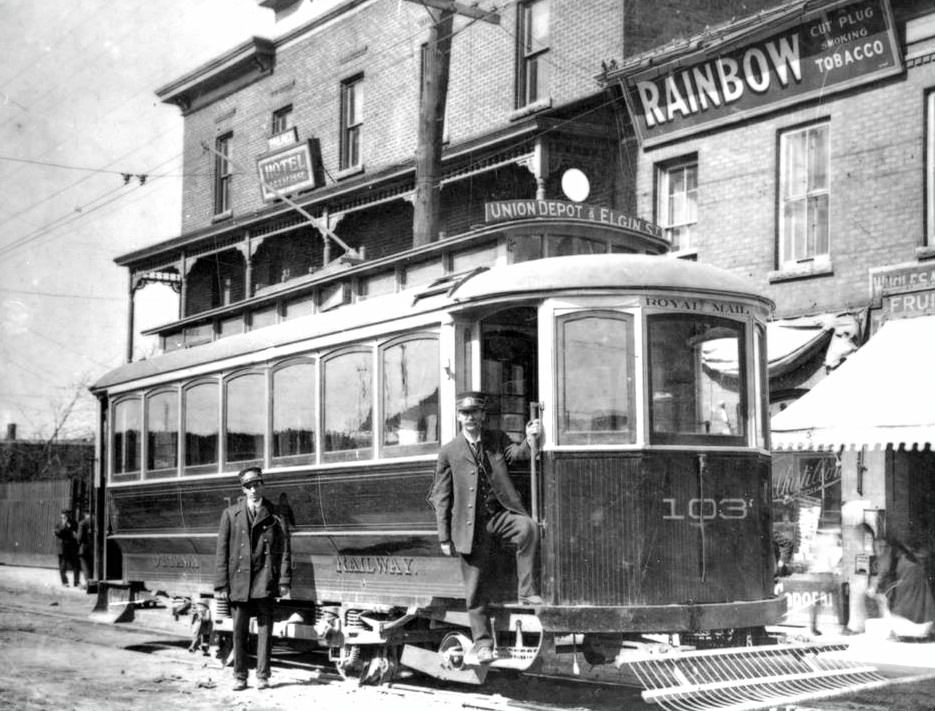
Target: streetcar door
{"type": "Point", "coordinates": [507, 374]}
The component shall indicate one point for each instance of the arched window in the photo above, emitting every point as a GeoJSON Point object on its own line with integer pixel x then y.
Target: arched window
{"type": "Point", "coordinates": [410, 395]}
{"type": "Point", "coordinates": [595, 380]}
{"type": "Point", "coordinates": [127, 426]}
{"type": "Point", "coordinates": [295, 409]}
{"type": "Point", "coordinates": [162, 433]}
{"type": "Point", "coordinates": [347, 393]}
{"type": "Point", "coordinates": [245, 419]}
{"type": "Point", "coordinates": [202, 410]}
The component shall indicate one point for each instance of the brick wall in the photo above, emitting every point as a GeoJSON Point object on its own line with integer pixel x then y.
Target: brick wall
{"type": "Point", "coordinates": [382, 40]}
{"type": "Point", "coordinates": [876, 191]}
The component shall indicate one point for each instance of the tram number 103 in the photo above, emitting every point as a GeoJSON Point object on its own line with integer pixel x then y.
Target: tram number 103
{"type": "Point", "coordinates": [707, 509]}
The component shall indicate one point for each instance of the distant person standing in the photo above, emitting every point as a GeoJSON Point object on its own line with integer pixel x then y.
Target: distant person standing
{"type": "Point", "coordinates": [65, 532]}
{"type": "Point", "coordinates": [85, 547]}
{"type": "Point", "coordinates": [253, 566]}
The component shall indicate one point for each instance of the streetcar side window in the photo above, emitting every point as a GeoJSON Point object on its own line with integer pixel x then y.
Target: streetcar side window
{"type": "Point", "coordinates": [162, 434]}
{"type": "Point", "coordinates": [697, 379]}
{"type": "Point", "coordinates": [127, 440]}
{"type": "Point", "coordinates": [295, 408]}
{"type": "Point", "coordinates": [202, 408]}
{"type": "Point", "coordinates": [410, 396]}
{"type": "Point", "coordinates": [347, 394]}
{"type": "Point", "coordinates": [595, 379]}
{"type": "Point", "coordinates": [245, 419]}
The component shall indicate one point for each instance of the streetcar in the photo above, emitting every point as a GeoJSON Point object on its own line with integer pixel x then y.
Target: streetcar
{"type": "Point", "coordinates": [651, 486]}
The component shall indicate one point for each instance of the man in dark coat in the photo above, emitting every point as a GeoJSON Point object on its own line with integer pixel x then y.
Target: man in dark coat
{"type": "Point", "coordinates": [85, 546]}
{"type": "Point", "coordinates": [67, 547]}
{"type": "Point", "coordinates": [254, 565]}
{"type": "Point", "coordinates": [477, 507]}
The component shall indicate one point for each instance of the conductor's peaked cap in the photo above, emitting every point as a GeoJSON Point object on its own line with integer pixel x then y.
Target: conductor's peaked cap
{"type": "Point", "coordinates": [472, 400]}
{"type": "Point", "coordinates": [250, 475]}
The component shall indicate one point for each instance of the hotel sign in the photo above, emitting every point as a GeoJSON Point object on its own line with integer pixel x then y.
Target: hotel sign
{"type": "Point", "coordinates": [830, 49]}
{"type": "Point", "coordinates": [288, 170]}
{"type": "Point", "coordinates": [510, 210]}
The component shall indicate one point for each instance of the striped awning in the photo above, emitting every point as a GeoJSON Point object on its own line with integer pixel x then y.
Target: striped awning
{"type": "Point", "coordinates": [884, 394]}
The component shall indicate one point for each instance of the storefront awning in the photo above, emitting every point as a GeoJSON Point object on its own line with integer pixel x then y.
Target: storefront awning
{"type": "Point", "coordinates": [882, 395]}
{"type": "Point", "coordinates": [790, 342]}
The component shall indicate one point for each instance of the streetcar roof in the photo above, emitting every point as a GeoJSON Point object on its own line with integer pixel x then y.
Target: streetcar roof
{"type": "Point", "coordinates": [636, 272]}
{"type": "Point", "coordinates": [542, 277]}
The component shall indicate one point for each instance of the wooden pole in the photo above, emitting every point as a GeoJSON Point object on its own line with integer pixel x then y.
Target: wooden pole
{"type": "Point", "coordinates": [427, 199]}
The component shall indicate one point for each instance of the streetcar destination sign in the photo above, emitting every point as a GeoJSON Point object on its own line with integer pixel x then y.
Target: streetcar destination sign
{"type": "Point", "coordinates": [832, 48]}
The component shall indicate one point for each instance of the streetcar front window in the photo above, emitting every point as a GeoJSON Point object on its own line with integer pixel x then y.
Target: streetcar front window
{"type": "Point", "coordinates": [595, 383]}
{"type": "Point", "coordinates": [698, 388]}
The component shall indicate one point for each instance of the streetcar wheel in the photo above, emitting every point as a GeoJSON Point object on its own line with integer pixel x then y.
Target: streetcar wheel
{"type": "Point", "coordinates": [453, 649]}
{"type": "Point", "coordinates": [366, 665]}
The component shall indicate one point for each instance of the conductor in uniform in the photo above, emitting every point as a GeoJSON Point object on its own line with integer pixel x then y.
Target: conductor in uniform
{"type": "Point", "coordinates": [477, 507]}
{"type": "Point", "coordinates": [253, 565]}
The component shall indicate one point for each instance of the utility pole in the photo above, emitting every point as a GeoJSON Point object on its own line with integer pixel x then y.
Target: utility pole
{"type": "Point", "coordinates": [427, 199]}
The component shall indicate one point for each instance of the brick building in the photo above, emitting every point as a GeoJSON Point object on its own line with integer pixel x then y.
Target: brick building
{"type": "Point", "coordinates": [795, 146]}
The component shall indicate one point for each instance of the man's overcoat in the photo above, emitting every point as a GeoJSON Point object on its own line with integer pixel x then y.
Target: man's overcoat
{"type": "Point", "coordinates": [454, 494]}
{"type": "Point", "coordinates": [252, 561]}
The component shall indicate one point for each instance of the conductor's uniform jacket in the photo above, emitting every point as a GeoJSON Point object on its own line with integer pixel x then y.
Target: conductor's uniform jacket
{"type": "Point", "coordinates": [455, 492]}
{"type": "Point", "coordinates": [252, 561]}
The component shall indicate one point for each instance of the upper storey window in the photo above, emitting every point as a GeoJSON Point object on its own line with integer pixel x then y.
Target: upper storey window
{"type": "Point", "coordinates": [677, 202]}
{"type": "Point", "coordinates": [533, 37]}
{"type": "Point", "coordinates": [282, 120]}
{"type": "Point", "coordinates": [352, 121]}
{"type": "Point", "coordinates": [804, 229]}
{"type": "Point", "coordinates": [222, 174]}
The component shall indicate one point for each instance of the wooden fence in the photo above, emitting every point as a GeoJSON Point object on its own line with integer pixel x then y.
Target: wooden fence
{"type": "Point", "coordinates": [29, 511]}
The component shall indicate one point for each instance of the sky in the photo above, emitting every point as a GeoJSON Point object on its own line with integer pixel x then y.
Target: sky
{"type": "Point", "coordinates": [79, 124]}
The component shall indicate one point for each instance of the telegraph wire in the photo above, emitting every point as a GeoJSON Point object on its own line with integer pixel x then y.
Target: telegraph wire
{"type": "Point", "coordinates": [142, 176]}
{"type": "Point", "coordinates": [60, 296]}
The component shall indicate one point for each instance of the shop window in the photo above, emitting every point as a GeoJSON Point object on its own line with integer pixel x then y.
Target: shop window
{"type": "Point", "coordinates": [698, 388]}
{"type": "Point", "coordinates": [352, 122]}
{"type": "Point", "coordinates": [294, 411]}
{"type": "Point", "coordinates": [804, 225]}
{"type": "Point", "coordinates": [677, 202]}
{"type": "Point", "coordinates": [202, 412]}
{"type": "Point", "coordinates": [127, 428]}
{"type": "Point", "coordinates": [595, 378]}
{"type": "Point", "coordinates": [245, 418]}
{"type": "Point", "coordinates": [806, 512]}
{"type": "Point", "coordinates": [410, 396]}
{"type": "Point", "coordinates": [223, 171]}
{"type": "Point", "coordinates": [162, 433]}
{"type": "Point", "coordinates": [533, 75]}
{"type": "Point", "coordinates": [347, 393]}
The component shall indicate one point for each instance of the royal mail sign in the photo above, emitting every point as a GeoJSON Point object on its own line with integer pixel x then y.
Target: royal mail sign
{"type": "Point", "coordinates": [288, 170]}
{"type": "Point", "coordinates": [830, 49]}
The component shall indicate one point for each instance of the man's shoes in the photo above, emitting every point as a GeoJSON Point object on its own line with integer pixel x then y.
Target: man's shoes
{"type": "Point", "coordinates": [485, 655]}
{"type": "Point", "coordinates": [531, 600]}
{"type": "Point", "coordinates": [262, 684]}
{"type": "Point", "coordinates": [240, 684]}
